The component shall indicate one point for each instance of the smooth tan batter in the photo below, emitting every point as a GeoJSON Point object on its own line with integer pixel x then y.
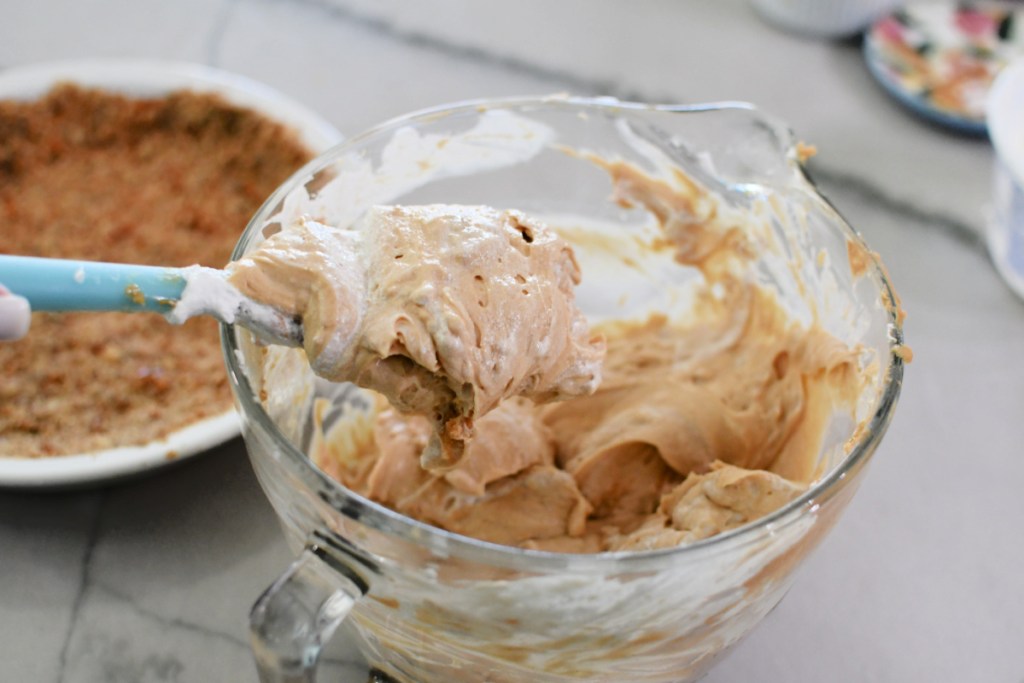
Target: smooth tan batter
{"type": "Point", "coordinates": [609, 471]}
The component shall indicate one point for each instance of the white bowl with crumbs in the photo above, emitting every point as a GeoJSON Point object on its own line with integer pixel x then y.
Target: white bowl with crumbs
{"type": "Point", "coordinates": [129, 161]}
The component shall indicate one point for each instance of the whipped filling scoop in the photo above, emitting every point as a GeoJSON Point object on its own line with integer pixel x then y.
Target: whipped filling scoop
{"type": "Point", "coordinates": [445, 310]}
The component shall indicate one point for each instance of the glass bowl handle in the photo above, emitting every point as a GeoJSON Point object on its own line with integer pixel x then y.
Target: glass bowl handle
{"type": "Point", "coordinates": [299, 612]}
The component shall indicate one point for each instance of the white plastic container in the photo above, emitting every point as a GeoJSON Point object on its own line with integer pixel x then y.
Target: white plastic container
{"type": "Point", "coordinates": [1005, 112]}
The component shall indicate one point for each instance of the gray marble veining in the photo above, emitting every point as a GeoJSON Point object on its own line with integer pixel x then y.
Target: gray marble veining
{"type": "Point", "coordinates": [152, 579]}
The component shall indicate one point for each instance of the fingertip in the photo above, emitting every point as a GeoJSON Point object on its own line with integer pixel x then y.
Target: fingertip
{"type": "Point", "coordinates": [15, 317]}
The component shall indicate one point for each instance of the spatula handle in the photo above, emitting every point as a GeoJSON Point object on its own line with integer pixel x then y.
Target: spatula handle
{"type": "Point", "coordinates": [65, 285]}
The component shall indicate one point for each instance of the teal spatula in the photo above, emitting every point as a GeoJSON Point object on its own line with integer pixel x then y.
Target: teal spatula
{"type": "Point", "coordinates": [178, 293]}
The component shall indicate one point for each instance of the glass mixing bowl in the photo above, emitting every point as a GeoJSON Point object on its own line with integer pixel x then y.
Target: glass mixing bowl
{"type": "Point", "coordinates": [428, 605]}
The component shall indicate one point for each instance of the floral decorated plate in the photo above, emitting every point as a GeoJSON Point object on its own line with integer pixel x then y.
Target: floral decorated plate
{"type": "Point", "coordinates": [940, 59]}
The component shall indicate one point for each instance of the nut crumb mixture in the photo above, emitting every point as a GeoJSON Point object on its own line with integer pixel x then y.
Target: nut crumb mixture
{"type": "Point", "coordinates": [91, 175]}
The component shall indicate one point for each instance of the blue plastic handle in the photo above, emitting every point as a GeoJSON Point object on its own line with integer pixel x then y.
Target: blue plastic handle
{"type": "Point", "coordinates": [62, 285]}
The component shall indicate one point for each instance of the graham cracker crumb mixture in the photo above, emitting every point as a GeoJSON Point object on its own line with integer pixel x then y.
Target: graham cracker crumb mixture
{"type": "Point", "coordinates": [91, 175]}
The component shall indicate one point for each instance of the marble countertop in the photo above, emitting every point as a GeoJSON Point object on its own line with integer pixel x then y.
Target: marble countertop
{"type": "Point", "coordinates": [151, 580]}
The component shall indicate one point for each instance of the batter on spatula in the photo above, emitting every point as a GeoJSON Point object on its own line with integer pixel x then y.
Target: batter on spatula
{"type": "Point", "coordinates": [445, 310]}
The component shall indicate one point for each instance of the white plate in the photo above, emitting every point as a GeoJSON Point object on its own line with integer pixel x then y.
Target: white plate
{"type": "Point", "coordinates": [144, 78]}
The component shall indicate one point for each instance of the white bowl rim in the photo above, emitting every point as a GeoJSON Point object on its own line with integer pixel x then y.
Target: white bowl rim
{"type": "Point", "coordinates": [142, 78]}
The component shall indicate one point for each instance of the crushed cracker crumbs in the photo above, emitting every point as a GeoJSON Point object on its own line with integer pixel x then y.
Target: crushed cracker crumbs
{"type": "Point", "coordinates": [167, 181]}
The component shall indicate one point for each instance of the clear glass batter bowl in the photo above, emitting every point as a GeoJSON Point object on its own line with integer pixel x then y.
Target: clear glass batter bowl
{"type": "Point", "coordinates": [427, 605]}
